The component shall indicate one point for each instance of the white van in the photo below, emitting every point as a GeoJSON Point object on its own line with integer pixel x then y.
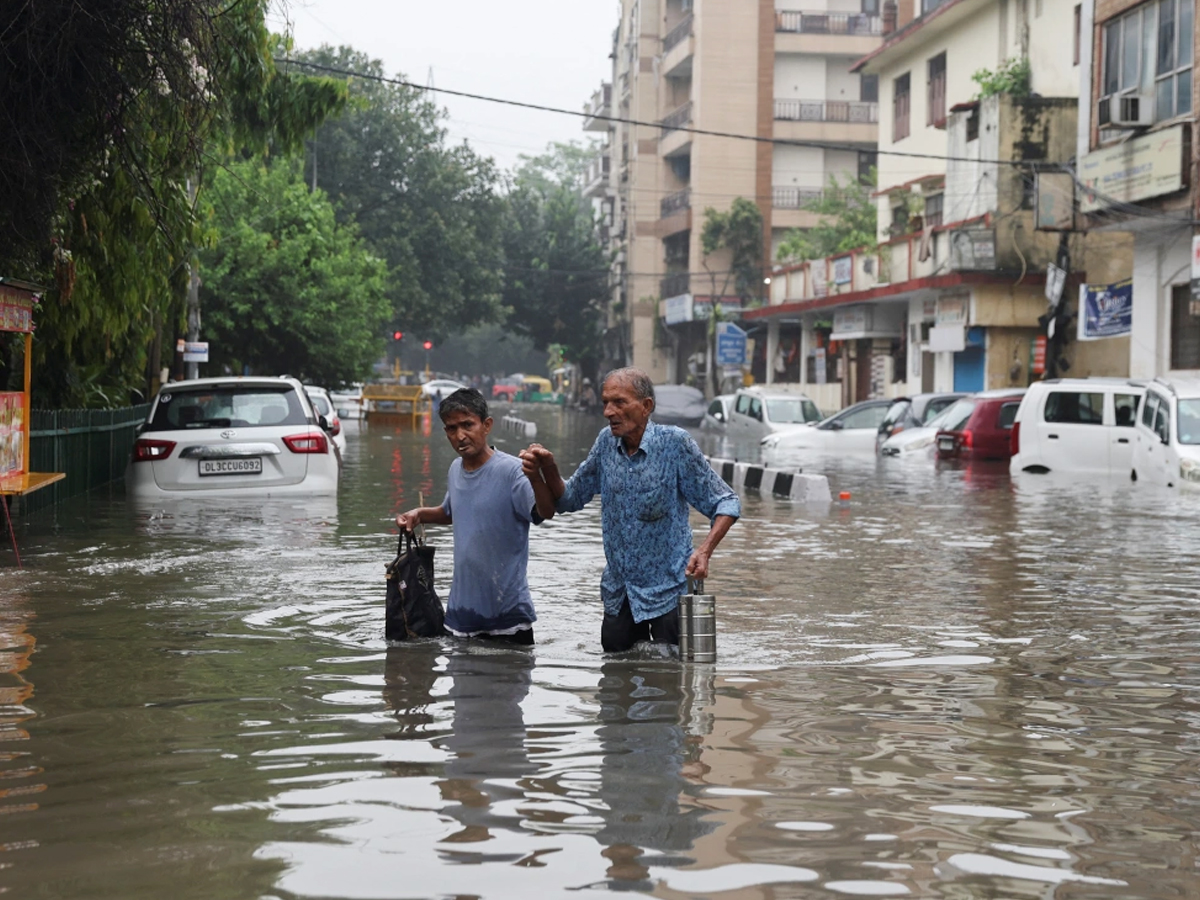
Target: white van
{"type": "Point", "coordinates": [759, 411]}
{"type": "Point", "coordinates": [1166, 448]}
{"type": "Point", "coordinates": [1076, 425]}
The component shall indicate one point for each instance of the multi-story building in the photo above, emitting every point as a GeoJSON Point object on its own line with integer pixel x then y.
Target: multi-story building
{"type": "Point", "coordinates": [1138, 165]}
{"type": "Point", "coordinates": [682, 71]}
{"type": "Point", "coordinates": [976, 99]}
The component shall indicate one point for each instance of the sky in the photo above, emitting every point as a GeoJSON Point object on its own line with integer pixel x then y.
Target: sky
{"type": "Point", "coordinates": [551, 52]}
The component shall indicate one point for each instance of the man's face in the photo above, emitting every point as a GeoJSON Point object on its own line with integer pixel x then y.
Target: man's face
{"type": "Point", "coordinates": [627, 414]}
{"type": "Point", "coordinates": [468, 435]}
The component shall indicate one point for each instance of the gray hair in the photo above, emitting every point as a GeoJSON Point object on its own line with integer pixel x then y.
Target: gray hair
{"type": "Point", "coordinates": [638, 381]}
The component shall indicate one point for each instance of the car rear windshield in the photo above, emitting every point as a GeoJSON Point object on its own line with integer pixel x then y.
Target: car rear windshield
{"type": "Point", "coordinates": [226, 407]}
{"type": "Point", "coordinates": [1189, 421]}
{"type": "Point", "coordinates": [957, 415]}
{"type": "Point", "coordinates": [793, 410]}
{"type": "Point", "coordinates": [1008, 414]}
{"type": "Point", "coordinates": [320, 404]}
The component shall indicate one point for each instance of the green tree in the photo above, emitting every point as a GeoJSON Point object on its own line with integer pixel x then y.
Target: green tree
{"type": "Point", "coordinates": [848, 221]}
{"type": "Point", "coordinates": [556, 272]}
{"type": "Point", "coordinates": [738, 230]}
{"type": "Point", "coordinates": [287, 288]}
{"type": "Point", "coordinates": [431, 210]}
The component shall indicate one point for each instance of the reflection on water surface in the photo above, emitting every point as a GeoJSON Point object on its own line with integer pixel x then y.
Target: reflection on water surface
{"type": "Point", "coordinates": [956, 684]}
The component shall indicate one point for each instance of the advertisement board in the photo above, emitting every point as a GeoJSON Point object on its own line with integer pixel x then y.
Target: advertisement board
{"type": "Point", "coordinates": [1105, 310]}
{"type": "Point", "coordinates": [16, 309]}
{"type": "Point", "coordinates": [12, 433]}
{"type": "Point", "coordinates": [1146, 166]}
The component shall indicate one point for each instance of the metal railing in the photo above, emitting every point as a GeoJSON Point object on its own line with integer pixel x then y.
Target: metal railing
{"type": "Point", "coordinates": [675, 284]}
{"type": "Point", "coordinates": [90, 445]}
{"type": "Point", "coordinates": [799, 197]}
{"type": "Point", "coordinates": [678, 34]}
{"type": "Point", "coordinates": [673, 203]}
{"type": "Point", "coordinates": [601, 100]}
{"type": "Point", "coordinates": [856, 111]}
{"type": "Point", "coordinates": [815, 22]}
{"type": "Point", "coordinates": [677, 118]}
{"type": "Point", "coordinates": [598, 168]}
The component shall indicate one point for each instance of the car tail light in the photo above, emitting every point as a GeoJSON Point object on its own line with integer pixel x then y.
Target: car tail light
{"type": "Point", "coordinates": [1014, 442]}
{"type": "Point", "coordinates": [309, 442]}
{"type": "Point", "coordinates": [968, 439]}
{"type": "Point", "coordinates": [147, 450]}
{"type": "Point", "coordinates": [335, 426]}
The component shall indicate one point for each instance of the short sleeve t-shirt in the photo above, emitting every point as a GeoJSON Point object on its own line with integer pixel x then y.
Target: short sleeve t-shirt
{"type": "Point", "coordinates": [492, 509]}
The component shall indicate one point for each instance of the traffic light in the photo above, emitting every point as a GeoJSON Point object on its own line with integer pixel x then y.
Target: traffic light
{"type": "Point", "coordinates": [397, 335]}
{"type": "Point", "coordinates": [428, 345]}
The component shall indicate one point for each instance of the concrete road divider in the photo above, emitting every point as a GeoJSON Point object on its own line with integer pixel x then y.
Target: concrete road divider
{"type": "Point", "coordinates": [518, 426]}
{"type": "Point", "coordinates": [790, 483]}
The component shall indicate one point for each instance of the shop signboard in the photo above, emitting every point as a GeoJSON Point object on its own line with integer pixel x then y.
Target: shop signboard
{"type": "Point", "coordinates": [819, 365]}
{"type": "Point", "coordinates": [1146, 166]}
{"type": "Point", "coordinates": [195, 351]}
{"type": "Point", "coordinates": [1105, 310]}
{"type": "Point", "coordinates": [731, 345]}
{"type": "Point", "coordinates": [678, 309]}
{"type": "Point", "coordinates": [843, 270]}
{"type": "Point", "coordinates": [16, 310]}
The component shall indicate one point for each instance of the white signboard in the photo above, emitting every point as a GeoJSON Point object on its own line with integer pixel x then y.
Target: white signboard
{"type": "Point", "coordinates": [947, 339]}
{"type": "Point", "coordinates": [195, 351]}
{"type": "Point", "coordinates": [1055, 279]}
{"type": "Point", "coordinates": [819, 365]}
{"type": "Point", "coordinates": [1145, 166]}
{"type": "Point", "coordinates": [843, 270]}
{"type": "Point", "coordinates": [678, 309]}
{"type": "Point", "coordinates": [952, 311]}
{"type": "Point", "coordinates": [851, 320]}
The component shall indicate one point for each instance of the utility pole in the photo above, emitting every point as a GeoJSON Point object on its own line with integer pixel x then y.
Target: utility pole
{"type": "Point", "coordinates": [192, 369]}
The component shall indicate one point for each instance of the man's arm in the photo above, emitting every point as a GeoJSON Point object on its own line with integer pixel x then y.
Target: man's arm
{"type": "Point", "coordinates": [569, 496]}
{"type": "Point", "coordinates": [423, 515]}
{"type": "Point", "coordinates": [697, 566]}
{"type": "Point", "coordinates": [543, 499]}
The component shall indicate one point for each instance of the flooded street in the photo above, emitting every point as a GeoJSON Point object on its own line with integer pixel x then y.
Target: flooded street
{"type": "Point", "coordinates": [953, 685]}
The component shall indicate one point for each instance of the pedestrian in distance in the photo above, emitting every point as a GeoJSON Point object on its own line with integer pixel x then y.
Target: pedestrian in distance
{"type": "Point", "coordinates": [490, 502]}
{"type": "Point", "coordinates": [647, 475]}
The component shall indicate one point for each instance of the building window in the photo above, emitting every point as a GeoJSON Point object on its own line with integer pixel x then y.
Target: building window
{"type": "Point", "coordinates": [870, 7]}
{"type": "Point", "coordinates": [868, 89]}
{"type": "Point", "coordinates": [867, 160]}
{"type": "Point", "coordinates": [899, 219]}
{"type": "Point", "coordinates": [933, 210]}
{"type": "Point", "coordinates": [1148, 52]}
{"type": "Point", "coordinates": [1185, 328]}
{"type": "Point", "coordinates": [935, 113]}
{"type": "Point", "coordinates": [1078, 31]}
{"type": "Point", "coordinates": [973, 123]}
{"type": "Point", "coordinates": [901, 102]}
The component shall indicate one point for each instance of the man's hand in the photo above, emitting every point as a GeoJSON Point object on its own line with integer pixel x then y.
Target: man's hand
{"type": "Point", "coordinates": [409, 520]}
{"type": "Point", "coordinates": [697, 566]}
{"type": "Point", "coordinates": [530, 462]}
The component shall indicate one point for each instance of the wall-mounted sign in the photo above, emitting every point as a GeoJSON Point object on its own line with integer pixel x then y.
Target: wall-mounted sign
{"type": "Point", "coordinates": [852, 320]}
{"type": "Point", "coordinates": [702, 307]}
{"type": "Point", "coordinates": [1105, 310]}
{"type": "Point", "coordinates": [947, 339]}
{"type": "Point", "coordinates": [952, 311]}
{"type": "Point", "coordinates": [1054, 206]}
{"type": "Point", "coordinates": [1146, 166]}
{"type": "Point", "coordinates": [731, 345]}
{"type": "Point", "coordinates": [843, 270]}
{"type": "Point", "coordinates": [195, 351]}
{"type": "Point", "coordinates": [678, 309]}
{"type": "Point", "coordinates": [973, 250]}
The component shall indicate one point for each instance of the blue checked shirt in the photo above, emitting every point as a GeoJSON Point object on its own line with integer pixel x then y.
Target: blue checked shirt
{"type": "Point", "coordinates": [644, 502]}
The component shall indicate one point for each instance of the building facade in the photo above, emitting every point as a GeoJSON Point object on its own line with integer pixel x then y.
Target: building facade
{"type": "Point", "coordinates": [954, 296]}
{"type": "Point", "coordinates": [684, 71]}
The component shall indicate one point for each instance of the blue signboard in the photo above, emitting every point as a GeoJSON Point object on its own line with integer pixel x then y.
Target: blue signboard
{"type": "Point", "coordinates": [1105, 310]}
{"type": "Point", "coordinates": [731, 345]}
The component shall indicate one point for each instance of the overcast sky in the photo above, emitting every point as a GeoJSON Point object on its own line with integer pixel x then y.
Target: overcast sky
{"type": "Point", "coordinates": [552, 52]}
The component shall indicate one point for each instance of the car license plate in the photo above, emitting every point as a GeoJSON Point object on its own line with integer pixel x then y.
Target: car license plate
{"type": "Point", "coordinates": [246, 465]}
{"type": "Point", "coordinates": [946, 443]}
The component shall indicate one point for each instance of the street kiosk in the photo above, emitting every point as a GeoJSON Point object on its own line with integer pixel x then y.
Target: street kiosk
{"type": "Point", "coordinates": [17, 299]}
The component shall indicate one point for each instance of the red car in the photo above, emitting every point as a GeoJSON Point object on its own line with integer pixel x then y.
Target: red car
{"type": "Point", "coordinates": [980, 426]}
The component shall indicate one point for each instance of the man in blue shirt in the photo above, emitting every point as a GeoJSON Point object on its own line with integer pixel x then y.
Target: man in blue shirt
{"type": "Point", "coordinates": [491, 503]}
{"type": "Point", "coordinates": [646, 475]}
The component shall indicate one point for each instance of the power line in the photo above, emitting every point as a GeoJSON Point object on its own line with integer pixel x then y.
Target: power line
{"type": "Point", "coordinates": [819, 145]}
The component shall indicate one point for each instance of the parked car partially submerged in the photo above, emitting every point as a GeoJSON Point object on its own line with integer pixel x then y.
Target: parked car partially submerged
{"type": "Point", "coordinates": [979, 427]}
{"type": "Point", "coordinates": [914, 442]}
{"type": "Point", "coordinates": [323, 404]}
{"type": "Point", "coordinates": [222, 436]}
{"type": "Point", "coordinates": [1076, 425]}
{"type": "Point", "coordinates": [716, 418]}
{"type": "Point", "coordinates": [678, 404]}
{"type": "Point", "coordinates": [852, 429]}
{"type": "Point", "coordinates": [1167, 434]}
{"type": "Point", "coordinates": [762, 410]}
{"type": "Point", "coordinates": [916, 411]}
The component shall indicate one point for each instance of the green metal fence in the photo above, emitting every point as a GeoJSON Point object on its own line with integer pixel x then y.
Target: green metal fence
{"type": "Point", "coordinates": [90, 445]}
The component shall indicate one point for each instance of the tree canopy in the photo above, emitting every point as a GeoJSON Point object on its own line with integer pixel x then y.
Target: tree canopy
{"type": "Point", "coordinates": [848, 218]}
{"type": "Point", "coordinates": [738, 230]}
{"type": "Point", "coordinates": [286, 287]}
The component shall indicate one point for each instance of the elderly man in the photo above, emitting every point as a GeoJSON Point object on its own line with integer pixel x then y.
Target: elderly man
{"type": "Point", "coordinates": [646, 475]}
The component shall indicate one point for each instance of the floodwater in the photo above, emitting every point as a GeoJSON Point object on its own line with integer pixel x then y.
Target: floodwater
{"type": "Point", "coordinates": [954, 685]}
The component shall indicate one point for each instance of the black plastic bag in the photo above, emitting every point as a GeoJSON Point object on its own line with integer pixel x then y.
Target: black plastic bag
{"type": "Point", "coordinates": [413, 607]}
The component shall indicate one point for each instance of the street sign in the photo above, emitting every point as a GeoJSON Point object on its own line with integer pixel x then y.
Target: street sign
{"type": "Point", "coordinates": [195, 351]}
{"type": "Point", "coordinates": [1056, 278]}
{"type": "Point", "coordinates": [731, 345]}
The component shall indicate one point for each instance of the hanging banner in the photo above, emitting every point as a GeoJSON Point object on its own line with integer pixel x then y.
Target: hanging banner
{"type": "Point", "coordinates": [12, 433]}
{"type": "Point", "coordinates": [16, 309]}
{"type": "Point", "coordinates": [1105, 310]}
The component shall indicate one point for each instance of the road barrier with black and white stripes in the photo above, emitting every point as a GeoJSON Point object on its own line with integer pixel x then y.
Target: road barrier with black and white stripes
{"type": "Point", "coordinates": [790, 483]}
{"type": "Point", "coordinates": [518, 426]}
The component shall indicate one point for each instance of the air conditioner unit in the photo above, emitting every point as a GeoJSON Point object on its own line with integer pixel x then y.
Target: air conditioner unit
{"type": "Point", "coordinates": [1131, 110]}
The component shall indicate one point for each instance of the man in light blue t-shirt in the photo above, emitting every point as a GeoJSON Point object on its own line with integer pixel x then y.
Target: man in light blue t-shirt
{"type": "Point", "coordinates": [491, 502]}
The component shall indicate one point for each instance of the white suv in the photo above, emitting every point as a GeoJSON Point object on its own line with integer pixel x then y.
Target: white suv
{"type": "Point", "coordinates": [1166, 448]}
{"type": "Point", "coordinates": [1076, 425]}
{"type": "Point", "coordinates": [759, 411]}
{"type": "Point", "coordinates": [223, 436]}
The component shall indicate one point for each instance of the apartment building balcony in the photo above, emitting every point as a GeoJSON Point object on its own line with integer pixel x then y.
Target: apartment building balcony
{"type": "Point", "coordinates": [833, 121]}
{"type": "Point", "coordinates": [598, 108]}
{"type": "Point", "coordinates": [788, 206]}
{"type": "Point", "coordinates": [679, 47]}
{"type": "Point", "coordinates": [675, 214]}
{"type": "Point", "coordinates": [675, 284]}
{"type": "Point", "coordinates": [820, 31]}
{"type": "Point", "coordinates": [596, 178]}
{"type": "Point", "coordinates": [673, 203]}
{"type": "Point", "coordinates": [674, 142]}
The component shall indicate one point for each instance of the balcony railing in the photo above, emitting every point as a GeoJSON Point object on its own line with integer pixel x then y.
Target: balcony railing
{"type": "Point", "coordinates": [678, 34]}
{"type": "Point", "coordinates": [799, 197]}
{"type": "Point", "coordinates": [674, 285]}
{"type": "Point", "coordinates": [598, 170]}
{"type": "Point", "coordinates": [805, 22]}
{"type": "Point", "coordinates": [601, 101]}
{"type": "Point", "coordinates": [677, 119]}
{"type": "Point", "coordinates": [827, 111]}
{"type": "Point", "coordinates": [673, 203]}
